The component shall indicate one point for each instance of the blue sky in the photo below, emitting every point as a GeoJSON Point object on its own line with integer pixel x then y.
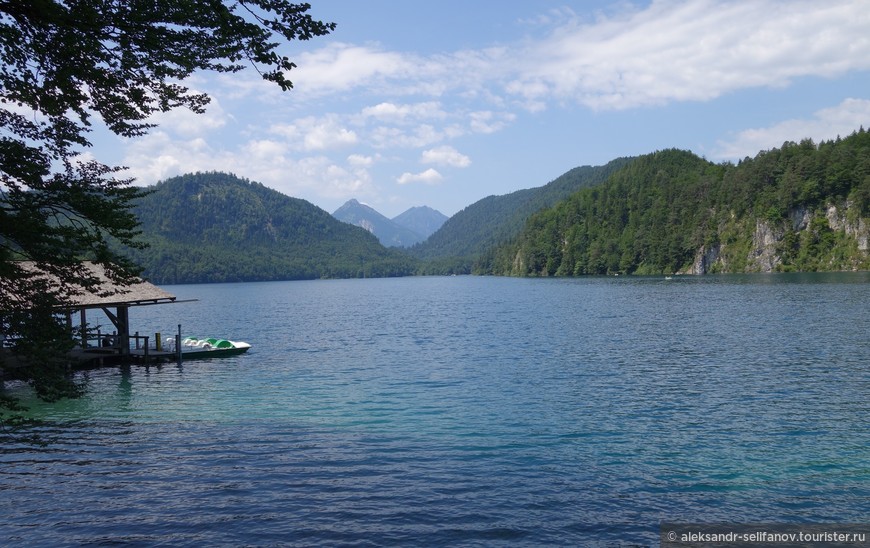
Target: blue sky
{"type": "Point", "coordinates": [444, 103]}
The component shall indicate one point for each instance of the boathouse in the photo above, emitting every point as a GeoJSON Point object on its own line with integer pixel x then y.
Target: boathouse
{"type": "Point", "coordinates": [115, 301]}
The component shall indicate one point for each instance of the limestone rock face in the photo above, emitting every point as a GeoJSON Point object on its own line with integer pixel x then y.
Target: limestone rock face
{"type": "Point", "coordinates": [705, 259]}
{"type": "Point", "coordinates": [858, 228]}
{"type": "Point", "coordinates": [800, 218]}
{"type": "Point", "coordinates": [763, 256]}
{"type": "Point", "coordinates": [767, 238]}
{"type": "Point", "coordinates": [863, 235]}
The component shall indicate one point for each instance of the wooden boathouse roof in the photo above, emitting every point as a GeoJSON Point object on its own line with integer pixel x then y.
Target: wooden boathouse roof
{"type": "Point", "coordinates": [110, 294]}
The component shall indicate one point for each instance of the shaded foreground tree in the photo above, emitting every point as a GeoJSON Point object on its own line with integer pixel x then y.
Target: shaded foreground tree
{"type": "Point", "coordinates": [66, 64]}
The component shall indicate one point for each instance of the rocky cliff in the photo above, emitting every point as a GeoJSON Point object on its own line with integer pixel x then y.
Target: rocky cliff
{"type": "Point", "coordinates": [776, 246]}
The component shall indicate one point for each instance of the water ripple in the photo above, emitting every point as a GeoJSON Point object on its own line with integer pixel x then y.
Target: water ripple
{"type": "Point", "coordinates": [465, 411]}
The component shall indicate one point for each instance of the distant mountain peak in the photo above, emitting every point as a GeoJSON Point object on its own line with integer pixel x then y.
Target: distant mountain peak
{"type": "Point", "coordinates": [421, 219]}
{"type": "Point", "coordinates": [389, 233]}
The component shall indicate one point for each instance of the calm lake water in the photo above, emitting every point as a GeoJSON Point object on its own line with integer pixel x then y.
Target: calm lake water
{"type": "Point", "coordinates": [464, 411]}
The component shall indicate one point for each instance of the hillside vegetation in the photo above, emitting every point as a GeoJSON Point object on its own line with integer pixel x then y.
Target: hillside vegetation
{"type": "Point", "coordinates": [215, 227]}
{"type": "Point", "coordinates": [496, 219]}
{"type": "Point", "coordinates": [799, 207]}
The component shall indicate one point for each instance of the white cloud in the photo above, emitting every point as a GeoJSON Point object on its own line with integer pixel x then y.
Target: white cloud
{"type": "Point", "coordinates": [316, 133]}
{"type": "Point", "coordinates": [325, 137]}
{"type": "Point", "coordinates": [669, 50]}
{"type": "Point", "coordinates": [340, 67]}
{"type": "Point", "coordinates": [272, 162]}
{"type": "Point", "coordinates": [445, 155]}
{"type": "Point", "coordinates": [360, 160]}
{"type": "Point", "coordinates": [314, 178]}
{"type": "Point", "coordinates": [185, 123]}
{"type": "Point", "coordinates": [388, 111]}
{"type": "Point", "coordinates": [157, 156]}
{"type": "Point", "coordinates": [551, 17]}
{"type": "Point", "coordinates": [692, 51]}
{"type": "Point", "coordinates": [490, 122]}
{"type": "Point", "coordinates": [393, 137]}
{"type": "Point", "coordinates": [265, 149]}
{"type": "Point", "coordinates": [429, 177]}
{"type": "Point", "coordinates": [392, 125]}
{"type": "Point", "coordinates": [825, 124]}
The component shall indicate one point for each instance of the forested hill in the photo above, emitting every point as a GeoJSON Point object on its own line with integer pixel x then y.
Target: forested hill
{"type": "Point", "coordinates": [497, 219]}
{"type": "Point", "coordinates": [801, 207]}
{"type": "Point", "coordinates": [215, 227]}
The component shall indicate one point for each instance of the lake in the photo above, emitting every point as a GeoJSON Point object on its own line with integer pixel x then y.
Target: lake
{"type": "Point", "coordinates": [470, 411]}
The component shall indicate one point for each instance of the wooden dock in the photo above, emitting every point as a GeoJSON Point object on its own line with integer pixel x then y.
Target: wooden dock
{"type": "Point", "coordinates": [98, 356]}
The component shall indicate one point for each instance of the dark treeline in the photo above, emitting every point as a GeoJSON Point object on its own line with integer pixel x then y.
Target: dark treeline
{"type": "Point", "coordinates": [658, 212]}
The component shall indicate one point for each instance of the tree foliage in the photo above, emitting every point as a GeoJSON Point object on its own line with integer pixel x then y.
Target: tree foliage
{"type": "Point", "coordinates": [656, 213]}
{"type": "Point", "coordinates": [216, 227]}
{"type": "Point", "coordinates": [65, 65]}
{"type": "Point", "coordinates": [496, 219]}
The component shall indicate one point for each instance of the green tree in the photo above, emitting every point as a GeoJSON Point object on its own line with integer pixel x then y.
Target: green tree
{"type": "Point", "coordinates": [68, 63]}
{"type": "Point", "coordinates": [655, 214]}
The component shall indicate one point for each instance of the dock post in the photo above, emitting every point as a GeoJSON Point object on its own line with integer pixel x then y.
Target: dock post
{"type": "Point", "coordinates": [178, 344]}
{"type": "Point", "coordinates": [83, 327]}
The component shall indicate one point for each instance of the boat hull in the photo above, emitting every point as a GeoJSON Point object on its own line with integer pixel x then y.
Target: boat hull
{"type": "Point", "coordinates": [216, 353]}
{"type": "Point", "coordinates": [212, 348]}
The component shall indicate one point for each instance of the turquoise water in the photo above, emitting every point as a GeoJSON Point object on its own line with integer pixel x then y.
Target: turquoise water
{"type": "Point", "coordinates": [464, 411]}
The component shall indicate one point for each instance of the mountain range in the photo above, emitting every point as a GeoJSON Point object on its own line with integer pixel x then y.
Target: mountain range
{"type": "Point", "coordinates": [411, 227]}
{"type": "Point", "coordinates": [803, 207]}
